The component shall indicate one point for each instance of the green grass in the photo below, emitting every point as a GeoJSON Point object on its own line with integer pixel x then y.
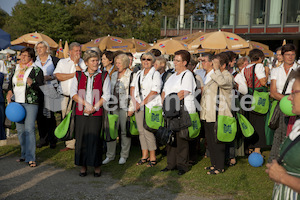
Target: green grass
{"type": "Point", "coordinates": [239, 182]}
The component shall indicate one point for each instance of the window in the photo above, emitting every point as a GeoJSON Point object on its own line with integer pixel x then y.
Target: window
{"type": "Point", "coordinates": [275, 12]}
{"type": "Point", "coordinates": [244, 12]}
{"type": "Point", "coordinates": [259, 12]}
{"type": "Point", "coordinates": [228, 12]}
{"type": "Point", "coordinates": [293, 11]}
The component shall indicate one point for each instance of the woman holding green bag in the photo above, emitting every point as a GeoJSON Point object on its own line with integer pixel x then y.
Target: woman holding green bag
{"type": "Point", "coordinates": [145, 90]}
{"type": "Point", "coordinates": [120, 83]}
{"type": "Point", "coordinates": [89, 94]}
{"type": "Point", "coordinates": [278, 89]}
{"type": "Point", "coordinates": [256, 73]}
{"type": "Point", "coordinates": [221, 81]}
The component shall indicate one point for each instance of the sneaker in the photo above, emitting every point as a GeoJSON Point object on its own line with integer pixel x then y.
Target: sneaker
{"type": "Point", "coordinates": [107, 160]}
{"type": "Point", "coordinates": [122, 161]}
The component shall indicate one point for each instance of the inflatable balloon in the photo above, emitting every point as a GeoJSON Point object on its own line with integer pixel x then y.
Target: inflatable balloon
{"type": "Point", "coordinates": [15, 112]}
{"type": "Point", "coordinates": [255, 159]}
{"type": "Point", "coordinates": [286, 106]}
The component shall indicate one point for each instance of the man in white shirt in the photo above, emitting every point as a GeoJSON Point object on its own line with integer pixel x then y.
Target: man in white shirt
{"type": "Point", "coordinates": [64, 72]}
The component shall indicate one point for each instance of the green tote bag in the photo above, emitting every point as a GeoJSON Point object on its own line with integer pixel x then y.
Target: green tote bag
{"type": "Point", "coordinates": [194, 129]}
{"type": "Point", "coordinates": [260, 102]}
{"type": "Point", "coordinates": [245, 125]}
{"type": "Point", "coordinates": [226, 128]}
{"type": "Point", "coordinates": [153, 118]}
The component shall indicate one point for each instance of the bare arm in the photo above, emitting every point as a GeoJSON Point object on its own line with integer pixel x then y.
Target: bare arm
{"type": "Point", "coordinates": [64, 77]}
{"type": "Point", "coordinates": [279, 175]}
{"type": "Point", "coordinates": [273, 91]}
{"type": "Point", "coordinates": [149, 98]}
{"type": "Point", "coordinates": [182, 94]}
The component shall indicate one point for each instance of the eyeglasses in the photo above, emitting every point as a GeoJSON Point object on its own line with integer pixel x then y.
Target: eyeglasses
{"type": "Point", "coordinates": [290, 55]}
{"type": "Point", "coordinates": [148, 59]}
{"type": "Point", "coordinates": [24, 55]}
{"type": "Point", "coordinates": [295, 92]}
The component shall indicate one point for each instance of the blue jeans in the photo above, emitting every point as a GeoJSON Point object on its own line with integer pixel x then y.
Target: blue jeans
{"type": "Point", "coordinates": [26, 132]}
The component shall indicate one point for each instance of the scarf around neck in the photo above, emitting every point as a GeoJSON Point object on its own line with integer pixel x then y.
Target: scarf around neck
{"type": "Point", "coordinates": [21, 72]}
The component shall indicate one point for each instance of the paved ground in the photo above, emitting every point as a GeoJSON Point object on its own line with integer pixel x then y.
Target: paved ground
{"type": "Point", "coordinates": [19, 181]}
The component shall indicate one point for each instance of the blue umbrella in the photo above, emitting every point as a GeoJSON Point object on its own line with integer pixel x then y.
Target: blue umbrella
{"type": "Point", "coordinates": [4, 39]}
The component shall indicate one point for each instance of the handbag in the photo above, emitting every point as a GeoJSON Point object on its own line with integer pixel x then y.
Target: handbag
{"type": "Point", "coordinates": [166, 136]}
{"type": "Point", "coordinates": [110, 126]}
{"type": "Point", "coordinates": [275, 111]}
{"type": "Point", "coordinates": [110, 129]}
{"type": "Point", "coordinates": [131, 126]}
{"type": "Point", "coordinates": [246, 127]}
{"type": "Point", "coordinates": [153, 118]}
{"type": "Point", "coordinates": [66, 129]}
{"type": "Point", "coordinates": [260, 101]}
{"type": "Point", "coordinates": [192, 131]}
{"type": "Point", "coordinates": [225, 127]}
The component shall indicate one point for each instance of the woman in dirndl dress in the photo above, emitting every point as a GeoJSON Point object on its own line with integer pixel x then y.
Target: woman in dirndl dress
{"type": "Point", "coordinates": [287, 175]}
{"type": "Point", "coordinates": [90, 93]}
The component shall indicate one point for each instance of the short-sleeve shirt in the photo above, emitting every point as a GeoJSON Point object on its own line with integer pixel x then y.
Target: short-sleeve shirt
{"type": "Point", "coordinates": [280, 76]}
{"type": "Point", "coordinates": [183, 81]}
{"type": "Point", "coordinates": [149, 82]}
{"type": "Point", "coordinates": [67, 66]}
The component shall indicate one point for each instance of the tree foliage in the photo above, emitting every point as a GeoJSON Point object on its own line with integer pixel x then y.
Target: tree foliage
{"type": "Point", "coordinates": [83, 20]}
{"type": "Point", "coordinates": [3, 17]}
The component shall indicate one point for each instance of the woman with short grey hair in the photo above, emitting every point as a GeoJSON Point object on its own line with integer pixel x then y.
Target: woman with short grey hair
{"type": "Point", "coordinates": [46, 120]}
{"type": "Point", "coordinates": [89, 111]}
{"type": "Point", "coordinates": [120, 83]}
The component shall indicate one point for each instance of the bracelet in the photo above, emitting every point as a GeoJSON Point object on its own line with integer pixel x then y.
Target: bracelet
{"type": "Point", "coordinates": [95, 108]}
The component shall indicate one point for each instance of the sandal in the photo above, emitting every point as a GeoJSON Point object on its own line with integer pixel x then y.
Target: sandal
{"type": "Point", "coordinates": [209, 168]}
{"type": "Point", "coordinates": [20, 160]}
{"type": "Point", "coordinates": [151, 163]}
{"type": "Point", "coordinates": [32, 164]}
{"type": "Point", "coordinates": [215, 171]}
{"type": "Point", "coordinates": [142, 161]}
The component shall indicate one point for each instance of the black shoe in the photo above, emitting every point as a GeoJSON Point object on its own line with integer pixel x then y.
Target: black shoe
{"type": "Point", "coordinates": [181, 172]}
{"type": "Point", "coordinates": [40, 145]}
{"type": "Point", "coordinates": [165, 170]}
{"type": "Point", "coordinates": [97, 174]}
{"type": "Point", "coordinates": [82, 174]}
{"type": "Point", "coordinates": [52, 146]}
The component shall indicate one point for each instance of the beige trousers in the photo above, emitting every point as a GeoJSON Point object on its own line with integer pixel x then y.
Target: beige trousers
{"type": "Point", "coordinates": [147, 139]}
{"type": "Point", "coordinates": [64, 111]}
{"type": "Point", "coordinates": [125, 141]}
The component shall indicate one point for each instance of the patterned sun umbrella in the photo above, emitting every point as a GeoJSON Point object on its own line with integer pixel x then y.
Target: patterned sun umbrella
{"type": "Point", "coordinates": [31, 39]}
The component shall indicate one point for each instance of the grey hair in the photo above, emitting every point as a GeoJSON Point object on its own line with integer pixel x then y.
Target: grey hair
{"type": "Point", "coordinates": [149, 54]}
{"type": "Point", "coordinates": [45, 44]}
{"type": "Point", "coordinates": [74, 44]}
{"type": "Point", "coordinates": [124, 60]}
{"type": "Point", "coordinates": [161, 60]}
{"type": "Point", "coordinates": [90, 54]}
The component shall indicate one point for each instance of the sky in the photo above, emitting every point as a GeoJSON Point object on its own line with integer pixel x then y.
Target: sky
{"type": "Point", "coordinates": [7, 5]}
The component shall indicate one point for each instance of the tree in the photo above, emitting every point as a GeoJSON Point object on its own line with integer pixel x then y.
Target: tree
{"type": "Point", "coordinates": [41, 16]}
{"type": "Point", "coordinates": [3, 17]}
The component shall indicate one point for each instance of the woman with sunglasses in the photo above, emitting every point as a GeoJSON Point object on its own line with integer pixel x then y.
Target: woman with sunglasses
{"type": "Point", "coordinates": [287, 175]}
{"type": "Point", "coordinates": [145, 90]}
{"type": "Point", "coordinates": [24, 85]}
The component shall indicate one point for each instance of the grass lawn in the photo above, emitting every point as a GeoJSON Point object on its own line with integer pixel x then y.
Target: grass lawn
{"type": "Point", "coordinates": [239, 182]}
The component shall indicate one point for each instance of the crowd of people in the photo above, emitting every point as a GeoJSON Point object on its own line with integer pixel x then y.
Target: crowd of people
{"type": "Point", "coordinates": [210, 85]}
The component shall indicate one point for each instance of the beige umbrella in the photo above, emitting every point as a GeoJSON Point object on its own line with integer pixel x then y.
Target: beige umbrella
{"type": "Point", "coordinates": [111, 43]}
{"type": "Point", "coordinates": [139, 45]}
{"type": "Point", "coordinates": [189, 37]}
{"type": "Point", "coordinates": [219, 40]}
{"type": "Point", "coordinates": [252, 45]}
{"type": "Point", "coordinates": [59, 51]}
{"type": "Point", "coordinates": [66, 50]}
{"type": "Point", "coordinates": [169, 46]}
{"type": "Point", "coordinates": [31, 39]}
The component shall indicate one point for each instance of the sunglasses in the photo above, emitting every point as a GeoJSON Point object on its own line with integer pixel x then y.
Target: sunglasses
{"type": "Point", "coordinates": [148, 59]}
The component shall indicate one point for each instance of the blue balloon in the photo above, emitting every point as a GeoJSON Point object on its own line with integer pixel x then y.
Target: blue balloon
{"type": "Point", "coordinates": [15, 112]}
{"type": "Point", "coordinates": [255, 159]}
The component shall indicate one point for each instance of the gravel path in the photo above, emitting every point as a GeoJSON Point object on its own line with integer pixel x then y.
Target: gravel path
{"type": "Point", "coordinates": [19, 181]}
